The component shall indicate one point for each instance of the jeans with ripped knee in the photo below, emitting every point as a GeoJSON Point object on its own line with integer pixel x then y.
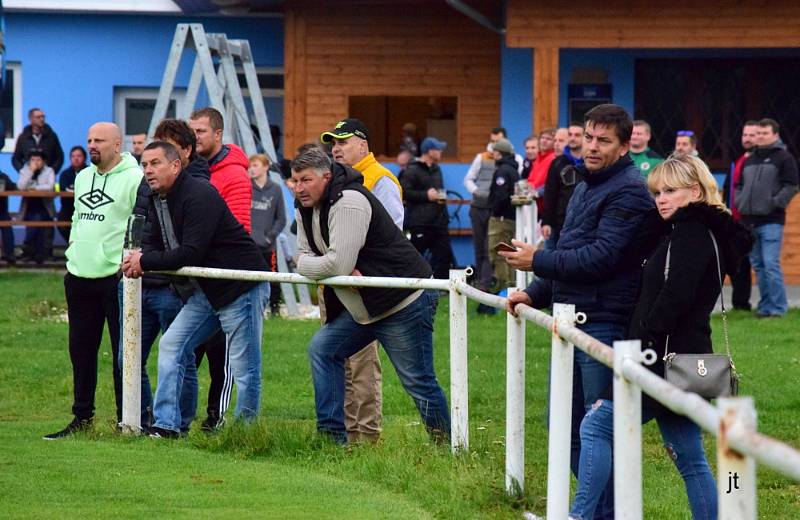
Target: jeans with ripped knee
{"type": "Point", "coordinates": [684, 444]}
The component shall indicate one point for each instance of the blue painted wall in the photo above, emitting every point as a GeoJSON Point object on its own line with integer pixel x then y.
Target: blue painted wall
{"type": "Point", "coordinates": [516, 101]}
{"type": "Point", "coordinates": [71, 63]}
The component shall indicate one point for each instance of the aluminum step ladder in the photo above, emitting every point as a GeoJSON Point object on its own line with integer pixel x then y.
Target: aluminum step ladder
{"type": "Point", "coordinates": [214, 67]}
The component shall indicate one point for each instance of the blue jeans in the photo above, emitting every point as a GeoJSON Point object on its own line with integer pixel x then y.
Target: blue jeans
{"type": "Point", "coordinates": [766, 260]}
{"type": "Point", "coordinates": [589, 379]}
{"type": "Point", "coordinates": [160, 305]}
{"type": "Point", "coordinates": [242, 321]}
{"type": "Point", "coordinates": [407, 337]}
{"type": "Point", "coordinates": [684, 445]}
{"type": "Point", "coordinates": [7, 235]}
{"type": "Point", "coordinates": [35, 237]}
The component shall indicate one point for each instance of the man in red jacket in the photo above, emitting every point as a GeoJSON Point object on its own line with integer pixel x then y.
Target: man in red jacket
{"type": "Point", "coordinates": [741, 282]}
{"type": "Point", "coordinates": [543, 160]}
{"type": "Point", "coordinates": [227, 162]}
{"type": "Point", "coordinates": [228, 166]}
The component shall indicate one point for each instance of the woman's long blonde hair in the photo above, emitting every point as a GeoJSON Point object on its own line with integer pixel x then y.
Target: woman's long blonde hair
{"type": "Point", "coordinates": [684, 171]}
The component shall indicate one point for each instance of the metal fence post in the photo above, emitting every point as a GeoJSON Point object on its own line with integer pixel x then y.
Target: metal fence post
{"type": "Point", "coordinates": [736, 473]}
{"type": "Point", "coordinates": [132, 354]}
{"type": "Point", "coordinates": [533, 220]}
{"type": "Point", "coordinates": [627, 435]}
{"type": "Point", "coordinates": [558, 451]}
{"type": "Point", "coordinates": [459, 389]}
{"type": "Point", "coordinates": [520, 234]}
{"type": "Point", "coordinates": [515, 404]}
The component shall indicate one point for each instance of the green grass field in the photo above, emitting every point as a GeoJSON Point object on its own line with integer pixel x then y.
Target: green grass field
{"type": "Point", "coordinates": [279, 468]}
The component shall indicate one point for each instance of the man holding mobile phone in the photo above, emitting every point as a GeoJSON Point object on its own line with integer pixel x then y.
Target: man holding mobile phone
{"type": "Point", "coordinates": [596, 263]}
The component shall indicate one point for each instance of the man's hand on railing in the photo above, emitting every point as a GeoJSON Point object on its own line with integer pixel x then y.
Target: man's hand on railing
{"type": "Point", "coordinates": [522, 258]}
{"type": "Point", "coordinates": [131, 266]}
{"type": "Point", "coordinates": [355, 272]}
{"type": "Point", "coordinates": [514, 298]}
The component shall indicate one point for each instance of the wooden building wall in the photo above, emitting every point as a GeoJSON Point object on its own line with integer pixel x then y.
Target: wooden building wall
{"type": "Point", "coordinates": [684, 24]}
{"type": "Point", "coordinates": [336, 50]}
{"type": "Point", "coordinates": [632, 24]}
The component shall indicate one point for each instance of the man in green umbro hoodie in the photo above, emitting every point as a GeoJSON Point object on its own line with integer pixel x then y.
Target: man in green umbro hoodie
{"type": "Point", "coordinates": [105, 194]}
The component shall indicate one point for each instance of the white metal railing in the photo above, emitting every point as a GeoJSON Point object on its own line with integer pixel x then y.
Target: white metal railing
{"type": "Point", "coordinates": [732, 421]}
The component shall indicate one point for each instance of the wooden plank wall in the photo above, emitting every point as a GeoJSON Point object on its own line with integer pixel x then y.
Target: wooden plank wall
{"type": "Point", "coordinates": [424, 49]}
{"type": "Point", "coordinates": [790, 254]}
{"type": "Point", "coordinates": [646, 24]}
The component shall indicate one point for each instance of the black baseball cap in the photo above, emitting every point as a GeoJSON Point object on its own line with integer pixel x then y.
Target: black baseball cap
{"type": "Point", "coordinates": [346, 128]}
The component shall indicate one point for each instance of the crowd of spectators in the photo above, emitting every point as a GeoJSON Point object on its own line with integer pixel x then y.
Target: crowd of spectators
{"type": "Point", "coordinates": [634, 240]}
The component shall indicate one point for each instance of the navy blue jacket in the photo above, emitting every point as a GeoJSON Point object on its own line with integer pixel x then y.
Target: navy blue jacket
{"type": "Point", "coordinates": [596, 263]}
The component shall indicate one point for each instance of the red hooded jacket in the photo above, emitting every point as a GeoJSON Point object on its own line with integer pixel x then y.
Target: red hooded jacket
{"type": "Point", "coordinates": [541, 165]}
{"type": "Point", "coordinates": [229, 176]}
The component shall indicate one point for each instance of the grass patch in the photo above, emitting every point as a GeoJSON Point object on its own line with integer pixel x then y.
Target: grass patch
{"type": "Point", "coordinates": [279, 467]}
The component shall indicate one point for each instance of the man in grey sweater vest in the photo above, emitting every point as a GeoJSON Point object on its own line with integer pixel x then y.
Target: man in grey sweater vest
{"type": "Point", "coordinates": [344, 230]}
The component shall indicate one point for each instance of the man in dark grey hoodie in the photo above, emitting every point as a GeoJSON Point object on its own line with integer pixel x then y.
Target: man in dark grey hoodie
{"type": "Point", "coordinates": [768, 182]}
{"type": "Point", "coordinates": [267, 219]}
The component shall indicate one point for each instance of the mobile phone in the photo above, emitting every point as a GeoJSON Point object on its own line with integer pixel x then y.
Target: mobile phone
{"type": "Point", "coordinates": [502, 246]}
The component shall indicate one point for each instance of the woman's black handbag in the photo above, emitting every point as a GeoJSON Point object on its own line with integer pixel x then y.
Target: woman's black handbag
{"type": "Point", "coordinates": [707, 375]}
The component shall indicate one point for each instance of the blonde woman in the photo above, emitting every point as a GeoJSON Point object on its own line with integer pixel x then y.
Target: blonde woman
{"type": "Point", "coordinates": [679, 306]}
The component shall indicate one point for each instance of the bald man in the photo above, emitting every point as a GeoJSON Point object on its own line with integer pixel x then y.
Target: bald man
{"type": "Point", "coordinates": [105, 193]}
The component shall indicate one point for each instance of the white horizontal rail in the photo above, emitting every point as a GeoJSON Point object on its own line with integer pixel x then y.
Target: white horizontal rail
{"type": "Point", "coordinates": [762, 448]}
{"type": "Point", "coordinates": [339, 281]}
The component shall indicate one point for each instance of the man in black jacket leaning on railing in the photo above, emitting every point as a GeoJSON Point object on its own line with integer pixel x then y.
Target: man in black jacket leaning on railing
{"type": "Point", "coordinates": [198, 229]}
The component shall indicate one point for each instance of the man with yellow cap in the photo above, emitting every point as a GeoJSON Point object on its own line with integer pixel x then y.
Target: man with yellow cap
{"type": "Point", "coordinates": [363, 378]}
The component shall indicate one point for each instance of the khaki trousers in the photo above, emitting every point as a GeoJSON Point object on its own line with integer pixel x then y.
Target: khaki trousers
{"type": "Point", "coordinates": [363, 397]}
{"type": "Point", "coordinates": [501, 230]}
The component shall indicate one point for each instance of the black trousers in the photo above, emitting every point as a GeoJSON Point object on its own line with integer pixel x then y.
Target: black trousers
{"type": "Point", "coordinates": [480, 241]}
{"type": "Point", "coordinates": [271, 256]}
{"type": "Point", "coordinates": [436, 241]}
{"type": "Point", "coordinates": [214, 350]}
{"type": "Point", "coordinates": [742, 285]}
{"type": "Point", "coordinates": [91, 302]}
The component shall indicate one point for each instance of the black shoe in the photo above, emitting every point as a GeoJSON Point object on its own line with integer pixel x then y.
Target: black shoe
{"type": "Point", "coordinates": [76, 426]}
{"type": "Point", "coordinates": [275, 310]}
{"type": "Point", "coordinates": [161, 433]}
{"type": "Point", "coordinates": [212, 423]}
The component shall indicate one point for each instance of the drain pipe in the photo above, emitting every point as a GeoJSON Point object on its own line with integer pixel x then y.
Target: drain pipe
{"type": "Point", "coordinates": [476, 16]}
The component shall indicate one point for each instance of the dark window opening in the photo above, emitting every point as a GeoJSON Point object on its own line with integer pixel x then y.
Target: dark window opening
{"type": "Point", "coordinates": [7, 104]}
{"type": "Point", "coordinates": [138, 113]}
{"type": "Point", "coordinates": [385, 116]}
{"type": "Point", "coordinates": [266, 80]}
{"type": "Point", "coordinates": [714, 97]}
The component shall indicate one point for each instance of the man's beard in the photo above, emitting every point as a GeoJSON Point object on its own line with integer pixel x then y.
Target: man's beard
{"type": "Point", "coordinates": [95, 159]}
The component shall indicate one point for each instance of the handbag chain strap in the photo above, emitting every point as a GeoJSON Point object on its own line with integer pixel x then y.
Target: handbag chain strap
{"type": "Point", "coordinates": [721, 298]}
